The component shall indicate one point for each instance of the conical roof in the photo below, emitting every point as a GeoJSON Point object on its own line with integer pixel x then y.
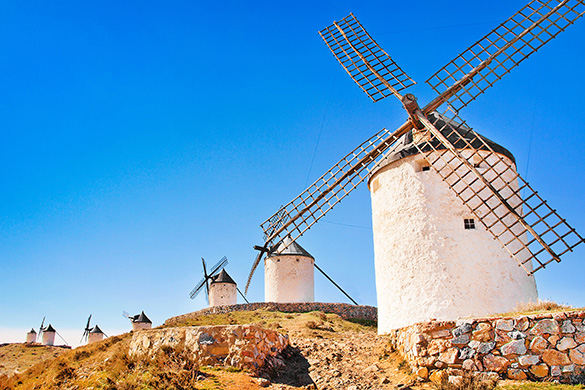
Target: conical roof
{"type": "Point", "coordinates": [96, 329]}
{"type": "Point", "coordinates": [293, 249]}
{"type": "Point", "coordinates": [452, 130]}
{"type": "Point", "coordinates": [32, 331]}
{"type": "Point", "coordinates": [222, 277]}
{"type": "Point", "coordinates": [49, 329]}
{"type": "Point", "coordinates": [142, 318]}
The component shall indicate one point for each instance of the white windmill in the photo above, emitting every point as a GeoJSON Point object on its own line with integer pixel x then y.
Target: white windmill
{"type": "Point", "coordinates": [434, 174]}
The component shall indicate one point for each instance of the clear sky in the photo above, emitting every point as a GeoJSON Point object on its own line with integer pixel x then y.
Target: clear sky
{"type": "Point", "coordinates": [137, 137]}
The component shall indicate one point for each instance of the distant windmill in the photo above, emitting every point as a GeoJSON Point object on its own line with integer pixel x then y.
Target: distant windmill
{"type": "Point", "coordinates": [219, 287]}
{"type": "Point", "coordinates": [86, 330]}
{"type": "Point", "coordinates": [139, 321]}
{"type": "Point", "coordinates": [473, 179]}
{"type": "Point", "coordinates": [41, 329]}
{"type": "Point", "coordinates": [92, 334]}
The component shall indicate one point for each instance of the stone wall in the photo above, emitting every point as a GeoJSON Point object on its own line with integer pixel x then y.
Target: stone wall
{"type": "Point", "coordinates": [344, 310]}
{"type": "Point", "coordinates": [242, 346]}
{"type": "Point", "coordinates": [536, 347]}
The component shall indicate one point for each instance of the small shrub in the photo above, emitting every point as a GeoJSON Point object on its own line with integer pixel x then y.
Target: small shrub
{"type": "Point", "coordinates": [311, 325]}
{"type": "Point", "coordinates": [539, 305]}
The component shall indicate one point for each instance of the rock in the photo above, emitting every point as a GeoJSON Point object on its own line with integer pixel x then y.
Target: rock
{"type": "Point", "coordinates": [516, 374]}
{"type": "Point", "coordinates": [538, 344]}
{"type": "Point", "coordinates": [522, 324]}
{"type": "Point", "coordinates": [578, 355]}
{"type": "Point", "coordinates": [449, 356]}
{"type": "Point", "coordinates": [466, 353]}
{"type": "Point", "coordinates": [579, 338]}
{"type": "Point", "coordinates": [469, 365]}
{"type": "Point", "coordinates": [465, 328]}
{"type": "Point", "coordinates": [567, 327]}
{"type": "Point", "coordinates": [352, 387]}
{"type": "Point", "coordinates": [437, 346]}
{"type": "Point", "coordinates": [440, 333]}
{"type": "Point", "coordinates": [422, 372]}
{"type": "Point", "coordinates": [438, 377]}
{"type": "Point", "coordinates": [402, 386]}
{"type": "Point", "coordinates": [528, 360]}
{"type": "Point", "coordinates": [384, 380]}
{"type": "Point", "coordinates": [566, 343]}
{"type": "Point", "coordinates": [483, 332]}
{"type": "Point", "coordinates": [516, 347]}
{"type": "Point", "coordinates": [506, 325]}
{"type": "Point", "coordinates": [553, 339]}
{"type": "Point", "coordinates": [262, 382]}
{"type": "Point", "coordinates": [486, 347]}
{"type": "Point", "coordinates": [546, 326]}
{"type": "Point", "coordinates": [539, 370]}
{"type": "Point", "coordinates": [495, 363]}
{"type": "Point", "coordinates": [460, 340]}
{"type": "Point", "coordinates": [372, 368]}
{"type": "Point", "coordinates": [552, 357]}
{"type": "Point", "coordinates": [568, 369]}
{"type": "Point", "coordinates": [555, 371]}
{"type": "Point", "coordinates": [516, 335]}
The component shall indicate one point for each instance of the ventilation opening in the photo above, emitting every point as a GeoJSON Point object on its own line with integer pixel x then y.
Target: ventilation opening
{"type": "Point", "coordinates": [469, 223]}
{"type": "Point", "coordinates": [422, 166]}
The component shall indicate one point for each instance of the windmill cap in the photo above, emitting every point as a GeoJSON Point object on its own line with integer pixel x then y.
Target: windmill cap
{"type": "Point", "coordinates": [49, 329]}
{"type": "Point", "coordinates": [452, 130]}
{"type": "Point", "coordinates": [293, 249]}
{"type": "Point", "coordinates": [96, 330]}
{"type": "Point", "coordinates": [222, 277]}
{"type": "Point", "coordinates": [32, 331]}
{"type": "Point", "coordinates": [141, 318]}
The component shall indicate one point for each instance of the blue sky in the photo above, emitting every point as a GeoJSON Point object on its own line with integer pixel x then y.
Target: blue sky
{"type": "Point", "coordinates": [137, 137]}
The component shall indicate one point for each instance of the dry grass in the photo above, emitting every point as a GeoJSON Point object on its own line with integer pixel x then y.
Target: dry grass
{"type": "Point", "coordinates": [469, 382]}
{"type": "Point", "coordinates": [513, 385]}
{"type": "Point", "coordinates": [538, 307]}
{"type": "Point", "coordinates": [19, 357]}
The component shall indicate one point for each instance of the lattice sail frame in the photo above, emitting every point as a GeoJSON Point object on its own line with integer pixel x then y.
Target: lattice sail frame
{"type": "Point", "coordinates": [516, 216]}
{"type": "Point", "coordinates": [490, 58]}
{"type": "Point", "coordinates": [364, 60]}
{"type": "Point", "coordinates": [472, 72]}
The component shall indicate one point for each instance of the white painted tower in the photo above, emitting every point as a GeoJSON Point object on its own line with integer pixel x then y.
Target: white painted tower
{"type": "Point", "coordinates": [222, 290]}
{"type": "Point", "coordinates": [289, 274]}
{"type": "Point", "coordinates": [140, 322]}
{"type": "Point", "coordinates": [49, 335]}
{"type": "Point", "coordinates": [94, 335]}
{"type": "Point", "coordinates": [31, 337]}
{"type": "Point", "coordinates": [433, 258]}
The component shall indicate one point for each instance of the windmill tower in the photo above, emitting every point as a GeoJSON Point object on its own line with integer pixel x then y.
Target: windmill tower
{"type": "Point", "coordinates": [139, 321]}
{"type": "Point", "coordinates": [31, 337]}
{"type": "Point", "coordinates": [484, 189]}
{"type": "Point", "coordinates": [289, 274]}
{"type": "Point", "coordinates": [95, 334]}
{"type": "Point", "coordinates": [220, 289]}
{"type": "Point", "coordinates": [49, 335]}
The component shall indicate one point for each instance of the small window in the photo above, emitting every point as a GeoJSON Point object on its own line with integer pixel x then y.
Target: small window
{"type": "Point", "coordinates": [422, 166]}
{"type": "Point", "coordinates": [469, 223]}
{"type": "Point", "coordinates": [477, 165]}
{"type": "Point", "coordinates": [426, 168]}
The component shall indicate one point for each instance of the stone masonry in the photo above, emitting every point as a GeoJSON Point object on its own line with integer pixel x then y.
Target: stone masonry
{"type": "Point", "coordinates": [536, 347]}
{"type": "Point", "coordinates": [241, 346]}
{"type": "Point", "coordinates": [344, 310]}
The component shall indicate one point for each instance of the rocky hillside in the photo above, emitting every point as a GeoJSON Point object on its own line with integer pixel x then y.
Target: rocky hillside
{"type": "Point", "coordinates": [326, 352]}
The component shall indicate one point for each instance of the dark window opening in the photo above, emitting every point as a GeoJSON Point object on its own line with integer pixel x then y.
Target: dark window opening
{"type": "Point", "coordinates": [477, 165]}
{"type": "Point", "coordinates": [469, 223]}
{"type": "Point", "coordinates": [426, 168]}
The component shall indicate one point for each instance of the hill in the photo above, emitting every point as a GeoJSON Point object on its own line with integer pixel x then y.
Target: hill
{"type": "Point", "coordinates": [326, 352]}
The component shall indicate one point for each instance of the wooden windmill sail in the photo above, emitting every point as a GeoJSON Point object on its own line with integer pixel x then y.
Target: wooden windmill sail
{"type": "Point", "coordinates": [213, 276]}
{"type": "Point", "coordinates": [499, 206]}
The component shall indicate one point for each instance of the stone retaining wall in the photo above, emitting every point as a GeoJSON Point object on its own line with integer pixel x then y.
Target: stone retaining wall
{"type": "Point", "coordinates": [242, 346]}
{"type": "Point", "coordinates": [344, 310]}
{"type": "Point", "coordinates": [536, 347]}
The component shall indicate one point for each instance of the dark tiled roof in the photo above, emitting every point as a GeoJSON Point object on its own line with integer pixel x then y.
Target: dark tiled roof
{"type": "Point", "coordinates": [49, 328]}
{"type": "Point", "coordinates": [293, 249]}
{"type": "Point", "coordinates": [222, 277]}
{"type": "Point", "coordinates": [96, 329]}
{"type": "Point", "coordinates": [141, 318]}
{"type": "Point", "coordinates": [32, 331]}
{"type": "Point", "coordinates": [405, 147]}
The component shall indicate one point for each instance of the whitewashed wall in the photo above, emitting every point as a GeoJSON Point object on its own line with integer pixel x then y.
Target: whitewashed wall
{"type": "Point", "coordinates": [222, 294]}
{"type": "Point", "coordinates": [289, 278]}
{"type": "Point", "coordinates": [427, 265]}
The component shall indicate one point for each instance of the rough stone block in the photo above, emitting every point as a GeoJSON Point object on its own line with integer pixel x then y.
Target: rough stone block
{"type": "Point", "coordinates": [552, 357]}
{"type": "Point", "coordinates": [516, 374]}
{"type": "Point", "coordinates": [516, 347]}
{"type": "Point", "coordinates": [505, 325]}
{"type": "Point", "coordinates": [495, 363]}
{"type": "Point", "coordinates": [539, 370]}
{"type": "Point", "coordinates": [577, 355]}
{"type": "Point", "coordinates": [545, 326]}
{"type": "Point", "coordinates": [566, 343]}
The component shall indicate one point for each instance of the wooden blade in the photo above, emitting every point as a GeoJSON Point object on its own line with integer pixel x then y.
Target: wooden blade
{"type": "Point", "coordinates": [312, 204]}
{"type": "Point", "coordinates": [254, 266]}
{"type": "Point", "coordinates": [365, 62]}
{"type": "Point", "coordinates": [488, 184]}
{"type": "Point", "coordinates": [219, 266]}
{"type": "Point", "coordinates": [489, 59]}
{"type": "Point", "coordinates": [202, 283]}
